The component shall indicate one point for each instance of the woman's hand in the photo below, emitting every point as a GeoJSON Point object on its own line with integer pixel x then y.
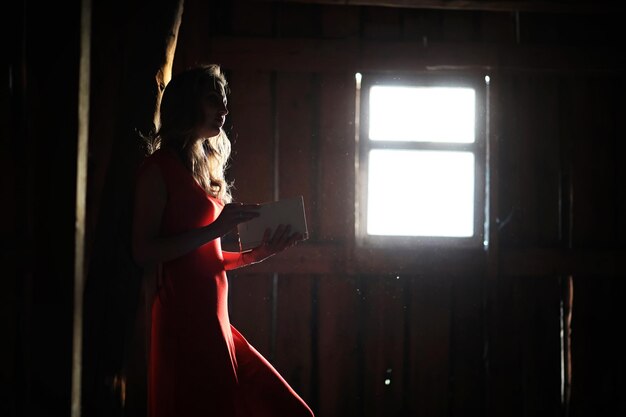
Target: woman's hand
{"type": "Point", "coordinates": [233, 214]}
{"type": "Point", "coordinates": [272, 244]}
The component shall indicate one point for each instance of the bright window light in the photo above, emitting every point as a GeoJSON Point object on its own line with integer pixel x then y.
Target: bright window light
{"type": "Point", "coordinates": [420, 193]}
{"type": "Point", "coordinates": [422, 114]}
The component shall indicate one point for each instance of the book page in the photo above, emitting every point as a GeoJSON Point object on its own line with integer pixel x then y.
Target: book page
{"type": "Point", "coordinates": [289, 211]}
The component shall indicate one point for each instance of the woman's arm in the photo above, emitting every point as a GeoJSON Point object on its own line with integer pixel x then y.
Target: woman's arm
{"type": "Point", "coordinates": [271, 245]}
{"type": "Point", "coordinates": [234, 260]}
{"type": "Point", "coordinates": [150, 198]}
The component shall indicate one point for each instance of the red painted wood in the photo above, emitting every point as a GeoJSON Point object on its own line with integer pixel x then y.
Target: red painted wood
{"type": "Point", "coordinates": [429, 345]}
{"type": "Point", "coordinates": [293, 332]}
{"type": "Point", "coordinates": [382, 324]}
{"type": "Point", "coordinates": [336, 164]}
{"type": "Point", "coordinates": [250, 129]}
{"type": "Point", "coordinates": [339, 298]}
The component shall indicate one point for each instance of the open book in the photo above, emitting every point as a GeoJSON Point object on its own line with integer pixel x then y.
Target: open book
{"type": "Point", "coordinates": [288, 211]}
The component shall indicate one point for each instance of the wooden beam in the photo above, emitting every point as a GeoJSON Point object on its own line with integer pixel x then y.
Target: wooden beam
{"type": "Point", "coordinates": [331, 258]}
{"type": "Point", "coordinates": [351, 55]}
{"type": "Point", "coordinates": [416, 261]}
{"type": "Point", "coordinates": [577, 262]}
{"type": "Point", "coordinates": [84, 73]}
{"type": "Point", "coordinates": [543, 6]}
{"type": "Point", "coordinates": [305, 258]}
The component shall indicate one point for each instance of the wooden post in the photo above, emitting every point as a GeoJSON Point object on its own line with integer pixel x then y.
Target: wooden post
{"type": "Point", "coordinates": [81, 202]}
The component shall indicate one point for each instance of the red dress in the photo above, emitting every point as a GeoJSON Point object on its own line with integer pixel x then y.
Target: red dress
{"type": "Point", "coordinates": [200, 365]}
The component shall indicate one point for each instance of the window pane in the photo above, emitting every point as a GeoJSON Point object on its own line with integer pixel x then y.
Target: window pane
{"type": "Point", "coordinates": [420, 193]}
{"type": "Point", "coordinates": [422, 114]}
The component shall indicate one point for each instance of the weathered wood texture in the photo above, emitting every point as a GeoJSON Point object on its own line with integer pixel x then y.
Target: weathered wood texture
{"type": "Point", "coordinates": [550, 6]}
{"type": "Point", "coordinates": [596, 144]}
{"type": "Point", "coordinates": [376, 332]}
{"type": "Point", "coordinates": [419, 331]}
{"type": "Point", "coordinates": [141, 43]}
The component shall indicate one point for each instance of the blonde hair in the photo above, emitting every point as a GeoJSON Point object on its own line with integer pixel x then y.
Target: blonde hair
{"type": "Point", "coordinates": [179, 113]}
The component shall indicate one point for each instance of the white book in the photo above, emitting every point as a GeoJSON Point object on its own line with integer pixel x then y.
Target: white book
{"type": "Point", "coordinates": [288, 211]}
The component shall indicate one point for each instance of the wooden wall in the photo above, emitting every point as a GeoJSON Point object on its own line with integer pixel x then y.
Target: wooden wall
{"type": "Point", "coordinates": [455, 332]}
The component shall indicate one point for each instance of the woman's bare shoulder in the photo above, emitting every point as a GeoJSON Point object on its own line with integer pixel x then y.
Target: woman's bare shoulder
{"type": "Point", "coordinates": [149, 175]}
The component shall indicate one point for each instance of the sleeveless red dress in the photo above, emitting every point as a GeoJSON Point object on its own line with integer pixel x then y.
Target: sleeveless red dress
{"type": "Point", "coordinates": [199, 364]}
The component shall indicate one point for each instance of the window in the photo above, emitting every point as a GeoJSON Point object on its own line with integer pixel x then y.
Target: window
{"type": "Point", "coordinates": [421, 159]}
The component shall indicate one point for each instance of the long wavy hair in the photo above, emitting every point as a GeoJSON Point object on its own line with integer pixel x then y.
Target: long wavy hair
{"type": "Point", "coordinates": [179, 114]}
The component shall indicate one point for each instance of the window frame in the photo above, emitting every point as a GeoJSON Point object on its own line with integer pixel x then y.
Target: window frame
{"type": "Point", "coordinates": [478, 148]}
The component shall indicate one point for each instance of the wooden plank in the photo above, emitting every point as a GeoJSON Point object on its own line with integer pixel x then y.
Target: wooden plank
{"type": "Point", "coordinates": [293, 20]}
{"type": "Point", "coordinates": [595, 219]}
{"type": "Point", "coordinates": [407, 260]}
{"type": "Point", "coordinates": [511, 158]}
{"type": "Point", "coordinates": [620, 169]}
{"type": "Point", "coordinates": [545, 169]}
{"type": "Point", "coordinates": [383, 338]}
{"type": "Point", "coordinates": [381, 24]}
{"type": "Point", "coordinates": [250, 129]}
{"type": "Point", "coordinates": [505, 350]}
{"type": "Point", "coordinates": [524, 347]}
{"type": "Point", "coordinates": [298, 147]}
{"type": "Point", "coordinates": [196, 14]}
{"type": "Point", "coordinates": [327, 258]}
{"type": "Point", "coordinates": [540, 342]}
{"type": "Point", "coordinates": [545, 6]}
{"type": "Point", "coordinates": [494, 128]}
{"type": "Point", "coordinates": [459, 26]}
{"type": "Point", "coordinates": [250, 307]}
{"type": "Point", "coordinates": [305, 258]}
{"type": "Point", "coordinates": [340, 22]}
{"type": "Point", "coordinates": [250, 100]}
{"type": "Point", "coordinates": [338, 346]}
{"type": "Point", "coordinates": [597, 363]}
{"type": "Point", "coordinates": [594, 162]}
{"type": "Point", "coordinates": [352, 55]}
{"type": "Point", "coordinates": [337, 147]}
{"type": "Point", "coordinates": [497, 27]}
{"type": "Point", "coordinates": [293, 332]}
{"type": "Point", "coordinates": [80, 225]}
{"type": "Point", "coordinates": [546, 162]}
{"type": "Point", "coordinates": [467, 367]}
{"type": "Point", "coordinates": [548, 261]}
{"type": "Point", "coordinates": [531, 162]}
{"type": "Point", "coordinates": [430, 312]}
{"type": "Point", "coordinates": [252, 18]}
{"type": "Point", "coordinates": [422, 26]}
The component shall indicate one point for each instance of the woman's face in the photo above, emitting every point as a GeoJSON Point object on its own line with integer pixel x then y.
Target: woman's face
{"type": "Point", "coordinates": [213, 111]}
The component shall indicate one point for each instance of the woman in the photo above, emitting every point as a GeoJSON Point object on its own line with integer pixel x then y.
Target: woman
{"type": "Point", "coordinates": [199, 364]}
